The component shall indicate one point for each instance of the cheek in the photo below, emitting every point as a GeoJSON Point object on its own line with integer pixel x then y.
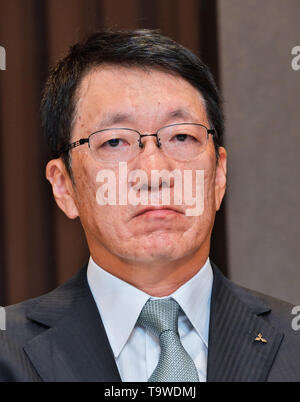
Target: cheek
{"type": "Point", "coordinates": [85, 187]}
{"type": "Point", "coordinates": [209, 184]}
{"type": "Point", "coordinates": [95, 217]}
{"type": "Point", "coordinates": [209, 168]}
{"type": "Point", "coordinates": [207, 194]}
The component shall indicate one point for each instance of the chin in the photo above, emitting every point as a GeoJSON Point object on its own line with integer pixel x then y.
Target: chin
{"type": "Point", "coordinates": [157, 256]}
{"type": "Point", "coordinates": [159, 250]}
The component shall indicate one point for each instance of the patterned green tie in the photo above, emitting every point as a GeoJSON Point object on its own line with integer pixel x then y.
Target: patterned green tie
{"type": "Point", "coordinates": [175, 365]}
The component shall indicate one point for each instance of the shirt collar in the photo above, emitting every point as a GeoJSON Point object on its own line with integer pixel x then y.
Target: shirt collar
{"type": "Point", "coordinates": [194, 299]}
{"type": "Point", "coordinates": [120, 303]}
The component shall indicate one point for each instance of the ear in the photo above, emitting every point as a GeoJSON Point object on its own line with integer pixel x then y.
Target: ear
{"type": "Point", "coordinates": [220, 180]}
{"type": "Point", "coordinates": [62, 187]}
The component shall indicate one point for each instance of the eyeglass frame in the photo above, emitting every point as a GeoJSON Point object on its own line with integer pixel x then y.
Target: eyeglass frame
{"type": "Point", "coordinates": [82, 141]}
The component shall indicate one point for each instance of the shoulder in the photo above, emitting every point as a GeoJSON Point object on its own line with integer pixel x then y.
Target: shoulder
{"type": "Point", "coordinates": [18, 331]}
{"type": "Point", "coordinates": [16, 321]}
{"type": "Point", "coordinates": [278, 313]}
{"type": "Point", "coordinates": [54, 303]}
{"type": "Point", "coordinates": [282, 317]}
{"type": "Point", "coordinates": [253, 312]}
{"type": "Point", "coordinates": [28, 319]}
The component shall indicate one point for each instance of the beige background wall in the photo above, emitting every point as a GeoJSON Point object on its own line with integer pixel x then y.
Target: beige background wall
{"type": "Point", "coordinates": [262, 106]}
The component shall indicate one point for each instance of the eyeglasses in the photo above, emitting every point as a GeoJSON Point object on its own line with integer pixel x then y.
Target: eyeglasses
{"type": "Point", "coordinates": [180, 141]}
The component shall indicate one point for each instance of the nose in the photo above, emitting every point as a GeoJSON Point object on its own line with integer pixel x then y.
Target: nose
{"type": "Point", "coordinates": [152, 158]}
{"type": "Point", "coordinates": [141, 144]}
{"type": "Point", "coordinates": [151, 154]}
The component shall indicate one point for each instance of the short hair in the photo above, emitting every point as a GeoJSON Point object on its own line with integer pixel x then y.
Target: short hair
{"type": "Point", "coordinates": [138, 48]}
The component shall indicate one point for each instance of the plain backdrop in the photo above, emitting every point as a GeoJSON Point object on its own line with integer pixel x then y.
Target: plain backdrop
{"type": "Point", "coordinates": [247, 44]}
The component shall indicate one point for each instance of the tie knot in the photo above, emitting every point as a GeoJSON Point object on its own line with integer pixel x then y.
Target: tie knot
{"type": "Point", "coordinates": [159, 316]}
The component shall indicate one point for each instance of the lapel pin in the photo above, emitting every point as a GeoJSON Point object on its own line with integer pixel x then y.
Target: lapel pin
{"type": "Point", "coordinates": [259, 338]}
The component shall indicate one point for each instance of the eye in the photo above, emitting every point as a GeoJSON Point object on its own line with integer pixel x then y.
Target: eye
{"type": "Point", "coordinates": [184, 138]}
{"type": "Point", "coordinates": [112, 143]}
{"type": "Point", "coordinates": [181, 137]}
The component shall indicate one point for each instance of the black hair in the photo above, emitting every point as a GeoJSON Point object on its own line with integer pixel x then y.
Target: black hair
{"type": "Point", "coordinates": [139, 48]}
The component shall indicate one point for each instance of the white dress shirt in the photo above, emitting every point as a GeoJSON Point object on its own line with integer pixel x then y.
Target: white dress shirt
{"type": "Point", "coordinates": [137, 351]}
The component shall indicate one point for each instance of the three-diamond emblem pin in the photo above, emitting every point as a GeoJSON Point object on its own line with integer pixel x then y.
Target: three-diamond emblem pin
{"type": "Point", "coordinates": [260, 338]}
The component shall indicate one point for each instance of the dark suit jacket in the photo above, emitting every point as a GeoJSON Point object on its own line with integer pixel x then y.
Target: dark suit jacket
{"type": "Point", "coordinates": [60, 337]}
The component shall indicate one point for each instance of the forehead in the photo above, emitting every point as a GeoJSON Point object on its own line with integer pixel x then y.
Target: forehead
{"type": "Point", "coordinates": [115, 94]}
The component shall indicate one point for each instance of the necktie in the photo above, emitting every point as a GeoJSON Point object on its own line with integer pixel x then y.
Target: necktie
{"type": "Point", "coordinates": [175, 365]}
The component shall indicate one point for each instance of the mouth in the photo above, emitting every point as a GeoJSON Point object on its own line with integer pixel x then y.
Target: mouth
{"type": "Point", "coordinates": [158, 212]}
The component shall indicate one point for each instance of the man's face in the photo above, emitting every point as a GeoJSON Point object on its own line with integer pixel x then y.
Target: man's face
{"type": "Point", "coordinates": [143, 100]}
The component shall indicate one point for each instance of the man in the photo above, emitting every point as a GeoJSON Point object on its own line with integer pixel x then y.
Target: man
{"type": "Point", "coordinates": [150, 305]}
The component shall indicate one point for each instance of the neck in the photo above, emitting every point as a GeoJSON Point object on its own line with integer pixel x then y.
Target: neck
{"type": "Point", "coordinates": [156, 278]}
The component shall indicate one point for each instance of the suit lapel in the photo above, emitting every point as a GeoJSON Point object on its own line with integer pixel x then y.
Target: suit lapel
{"type": "Point", "coordinates": [237, 318]}
{"type": "Point", "coordinates": [75, 346]}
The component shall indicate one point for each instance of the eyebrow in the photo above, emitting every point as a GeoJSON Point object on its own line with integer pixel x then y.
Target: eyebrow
{"type": "Point", "coordinates": [115, 118]}
{"type": "Point", "coordinates": [181, 113]}
{"type": "Point", "coordinates": [118, 117]}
